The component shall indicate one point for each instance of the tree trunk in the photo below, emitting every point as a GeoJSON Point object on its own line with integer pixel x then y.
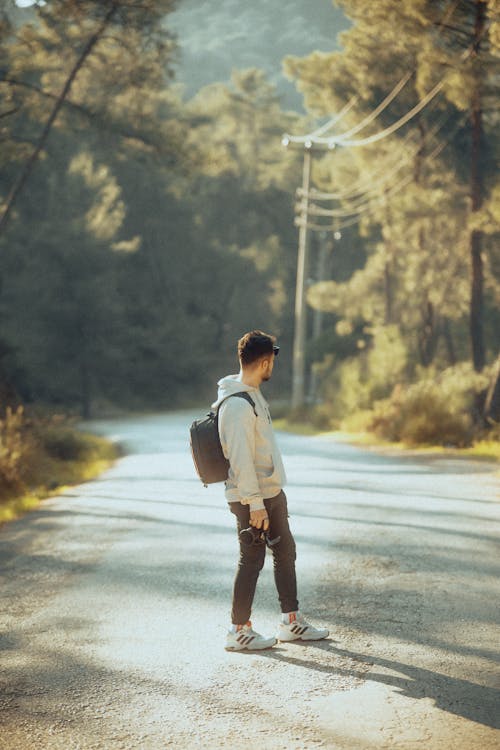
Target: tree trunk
{"type": "Point", "coordinates": [492, 405]}
{"type": "Point", "coordinates": [427, 335]}
{"type": "Point", "coordinates": [86, 399]}
{"type": "Point", "coordinates": [33, 158]}
{"type": "Point", "coordinates": [476, 303]}
{"type": "Point", "coordinates": [476, 193]}
{"type": "Point", "coordinates": [450, 346]}
{"type": "Point", "coordinates": [389, 254]}
{"type": "Point", "coordinates": [388, 293]}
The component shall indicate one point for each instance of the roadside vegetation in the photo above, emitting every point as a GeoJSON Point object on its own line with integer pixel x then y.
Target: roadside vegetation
{"type": "Point", "coordinates": [406, 343]}
{"type": "Point", "coordinates": [42, 454]}
{"type": "Point", "coordinates": [440, 410]}
{"type": "Point", "coordinates": [143, 230]}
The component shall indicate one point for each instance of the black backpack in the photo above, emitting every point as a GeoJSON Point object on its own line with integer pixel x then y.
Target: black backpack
{"type": "Point", "coordinates": [209, 460]}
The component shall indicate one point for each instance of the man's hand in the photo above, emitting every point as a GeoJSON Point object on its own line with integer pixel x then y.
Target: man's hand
{"type": "Point", "coordinates": [259, 519]}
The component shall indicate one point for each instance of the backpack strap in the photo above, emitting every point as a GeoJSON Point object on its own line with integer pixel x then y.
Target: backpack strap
{"type": "Point", "coordinates": [244, 395]}
{"type": "Point", "coordinates": [247, 397]}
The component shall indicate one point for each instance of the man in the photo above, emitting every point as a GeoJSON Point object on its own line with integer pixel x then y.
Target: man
{"type": "Point", "coordinates": [254, 491]}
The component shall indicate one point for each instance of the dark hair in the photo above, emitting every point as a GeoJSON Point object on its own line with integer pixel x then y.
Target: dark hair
{"type": "Point", "coordinates": [254, 345]}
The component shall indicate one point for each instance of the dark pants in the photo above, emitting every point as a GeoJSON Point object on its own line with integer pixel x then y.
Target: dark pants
{"type": "Point", "coordinates": [252, 559]}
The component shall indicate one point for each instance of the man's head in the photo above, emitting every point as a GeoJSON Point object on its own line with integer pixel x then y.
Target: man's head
{"type": "Point", "coordinates": [256, 352]}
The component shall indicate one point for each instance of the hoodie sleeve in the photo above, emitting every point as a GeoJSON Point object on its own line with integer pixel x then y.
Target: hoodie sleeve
{"type": "Point", "coordinates": [237, 435]}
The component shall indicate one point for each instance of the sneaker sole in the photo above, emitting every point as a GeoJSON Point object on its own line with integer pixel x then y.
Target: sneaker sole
{"type": "Point", "coordinates": [306, 638]}
{"type": "Point", "coordinates": [247, 648]}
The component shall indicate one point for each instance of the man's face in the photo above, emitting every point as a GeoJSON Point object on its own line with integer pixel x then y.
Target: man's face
{"type": "Point", "coordinates": [267, 366]}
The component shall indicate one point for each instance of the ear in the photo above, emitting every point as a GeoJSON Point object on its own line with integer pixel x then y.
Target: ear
{"type": "Point", "coordinates": [265, 363]}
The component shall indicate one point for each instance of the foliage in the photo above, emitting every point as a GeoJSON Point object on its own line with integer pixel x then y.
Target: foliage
{"type": "Point", "coordinates": [64, 443]}
{"type": "Point", "coordinates": [427, 198]}
{"type": "Point", "coordinates": [436, 410]}
{"type": "Point", "coordinates": [353, 383]}
{"type": "Point", "coordinates": [153, 232]}
{"type": "Point", "coordinates": [14, 445]}
{"type": "Point", "coordinates": [40, 453]}
{"type": "Point", "coordinates": [34, 446]}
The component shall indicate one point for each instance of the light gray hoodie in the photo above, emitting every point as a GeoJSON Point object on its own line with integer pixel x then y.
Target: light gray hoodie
{"type": "Point", "coordinates": [256, 469]}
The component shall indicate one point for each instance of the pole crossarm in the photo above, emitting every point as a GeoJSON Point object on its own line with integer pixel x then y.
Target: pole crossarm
{"type": "Point", "coordinates": [308, 145]}
{"type": "Point", "coordinates": [309, 139]}
{"type": "Point", "coordinates": [315, 210]}
{"type": "Point", "coordinates": [334, 227]}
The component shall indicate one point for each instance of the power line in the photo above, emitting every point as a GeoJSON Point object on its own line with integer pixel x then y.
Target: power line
{"type": "Point", "coordinates": [343, 141]}
{"type": "Point", "coordinates": [378, 110]}
{"type": "Point", "coordinates": [362, 209]}
{"type": "Point", "coordinates": [372, 182]}
{"type": "Point", "coordinates": [345, 109]}
{"type": "Point", "coordinates": [374, 178]}
{"type": "Point", "coordinates": [317, 137]}
{"type": "Point", "coordinates": [344, 138]}
{"type": "Point", "coordinates": [369, 207]}
{"type": "Point", "coordinates": [399, 123]}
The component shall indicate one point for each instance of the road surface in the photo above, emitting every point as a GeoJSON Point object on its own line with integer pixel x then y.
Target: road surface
{"type": "Point", "coordinates": [116, 596]}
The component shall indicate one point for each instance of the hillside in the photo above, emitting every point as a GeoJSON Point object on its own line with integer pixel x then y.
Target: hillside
{"type": "Point", "coordinates": [218, 35]}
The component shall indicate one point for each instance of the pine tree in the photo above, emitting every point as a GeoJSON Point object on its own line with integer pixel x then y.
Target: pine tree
{"type": "Point", "coordinates": [443, 42]}
{"type": "Point", "coordinates": [109, 51]}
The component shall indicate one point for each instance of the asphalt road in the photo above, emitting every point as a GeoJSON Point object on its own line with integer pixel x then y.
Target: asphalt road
{"type": "Point", "coordinates": [116, 597]}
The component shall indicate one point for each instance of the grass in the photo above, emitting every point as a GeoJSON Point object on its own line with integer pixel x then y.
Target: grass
{"type": "Point", "coordinates": [17, 506]}
{"type": "Point", "coordinates": [482, 449]}
{"type": "Point", "coordinates": [48, 473]}
{"type": "Point", "coordinates": [297, 428]}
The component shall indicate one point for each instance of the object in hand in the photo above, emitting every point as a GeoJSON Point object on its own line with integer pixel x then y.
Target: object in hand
{"type": "Point", "coordinates": [254, 537]}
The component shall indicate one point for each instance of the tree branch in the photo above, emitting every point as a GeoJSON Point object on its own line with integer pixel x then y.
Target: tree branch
{"type": "Point", "coordinates": [30, 163]}
{"type": "Point", "coordinates": [463, 32]}
{"type": "Point", "coordinates": [10, 112]}
{"type": "Point", "coordinates": [103, 121]}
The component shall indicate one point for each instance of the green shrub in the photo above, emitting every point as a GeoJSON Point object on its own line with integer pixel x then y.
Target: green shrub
{"type": "Point", "coordinates": [299, 414]}
{"type": "Point", "coordinates": [64, 443]}
{"type": "Point", "coordinates": [13, 446]}
{"type": "Point", "coordinates": [353, 384]}
{"type": "Point", "coordinates": [435, 411]}
{"type": "Point", "coordinates": [321, 417]}
{"type": "Point", "coordinates": [318, 416]}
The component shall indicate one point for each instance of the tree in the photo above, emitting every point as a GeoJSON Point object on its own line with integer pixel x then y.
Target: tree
{"type": "Point", "coordinates": [93, 37]}
{"type": "Point", "coordinates": [440, 43]}
{"type": "Point", "coordinates": [473, 88]}
{"type": "Point", "coordinates": [61, 305]}
{"type": "Point", "coordinates": [241, 196]}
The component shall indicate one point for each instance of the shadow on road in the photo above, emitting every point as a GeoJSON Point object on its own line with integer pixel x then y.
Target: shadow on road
{"type": "Point", "coordinates": [460, 697]}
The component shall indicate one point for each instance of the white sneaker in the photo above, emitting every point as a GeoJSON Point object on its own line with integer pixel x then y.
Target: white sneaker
{"type": "Point", "coordinates": [246, 638]}
{"type": "Point", "coordinates": [300, 629]}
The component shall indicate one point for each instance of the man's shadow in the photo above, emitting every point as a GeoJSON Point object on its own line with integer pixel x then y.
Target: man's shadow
{"type": "Point", "coordinates": [456, 696]}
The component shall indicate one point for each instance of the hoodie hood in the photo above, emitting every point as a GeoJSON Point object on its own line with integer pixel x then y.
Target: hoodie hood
{"type": "Point", "coordinates": [229, 385]}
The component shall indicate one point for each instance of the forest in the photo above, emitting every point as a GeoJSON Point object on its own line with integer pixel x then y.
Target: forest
{"type": "Point", "coordinates": [143, 230]}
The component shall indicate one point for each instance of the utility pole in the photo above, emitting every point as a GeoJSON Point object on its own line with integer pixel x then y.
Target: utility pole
{"type": "Point", "coordinates": [309, 144]}
{"type": "Point", "coordinates": [300, 331]}
{"type": "Point", "coordinates": [323, 253]}
{"type": "Point", "coordinates": [325, 248]}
